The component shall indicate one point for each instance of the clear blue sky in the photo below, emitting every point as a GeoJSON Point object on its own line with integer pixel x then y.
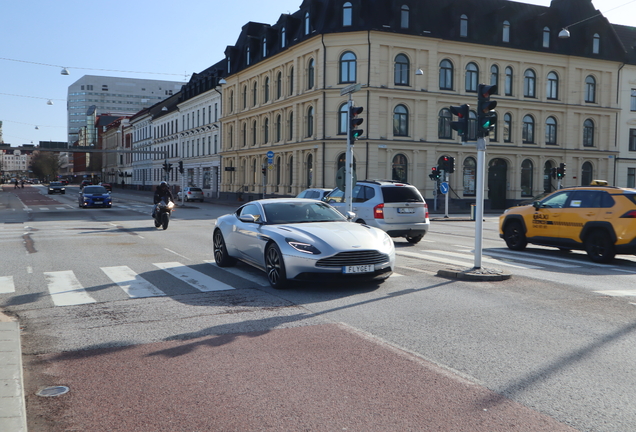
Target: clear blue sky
{"type": "Point", "coordinates": [162, 36]}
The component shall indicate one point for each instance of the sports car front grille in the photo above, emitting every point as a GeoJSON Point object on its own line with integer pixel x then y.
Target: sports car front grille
{"type": "Point", "coordinates": [354, 258]}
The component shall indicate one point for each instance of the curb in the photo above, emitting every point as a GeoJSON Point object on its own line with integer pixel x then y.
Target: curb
{"type": "Point", "coordinates": [473, 274]}
{"type": "Point", "coordinates": [12, 404]}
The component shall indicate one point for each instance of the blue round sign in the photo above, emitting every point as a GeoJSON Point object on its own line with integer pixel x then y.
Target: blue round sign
{"type": "Point", "coordinates": [443, 187]}
{"type": "Point", "coordinates": [270, 154]}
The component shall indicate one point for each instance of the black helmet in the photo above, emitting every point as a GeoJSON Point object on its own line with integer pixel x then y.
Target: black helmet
{"type": "Point", "coordinates": [163, 183]}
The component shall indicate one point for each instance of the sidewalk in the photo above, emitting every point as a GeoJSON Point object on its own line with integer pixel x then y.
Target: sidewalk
{"type": "Point", "coordinates": [12, 406]}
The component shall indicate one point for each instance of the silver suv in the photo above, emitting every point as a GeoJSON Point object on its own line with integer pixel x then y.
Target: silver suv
{"type": "Point", "coordinates": [395, 207]}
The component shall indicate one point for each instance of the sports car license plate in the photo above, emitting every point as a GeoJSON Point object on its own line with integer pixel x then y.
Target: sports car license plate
{"type": "Point", "coordinates": [368, 268]}
{"type": "Point", "coordinates": [406, 210]}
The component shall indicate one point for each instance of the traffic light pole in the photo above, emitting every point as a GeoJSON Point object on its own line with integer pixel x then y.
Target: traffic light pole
{"type": "Point", "coordinates": [348, 195]}
{"type": "Point", "coordinates": [479, 208]}
{"type": "Point", "coordinates": [446, 195]}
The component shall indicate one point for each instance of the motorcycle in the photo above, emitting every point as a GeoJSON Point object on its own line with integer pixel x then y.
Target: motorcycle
{"type": "Point", "coordinates": [162, 213]}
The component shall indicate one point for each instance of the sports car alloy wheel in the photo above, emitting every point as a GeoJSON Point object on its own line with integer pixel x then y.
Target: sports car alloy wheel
{"type": "Point", "coordinates": [275, 267]}
{"type": "Point", "coordinates": [220, 251]}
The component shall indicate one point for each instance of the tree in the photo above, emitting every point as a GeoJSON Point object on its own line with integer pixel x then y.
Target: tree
{"type": "Point", "coordinates": [45, 164]}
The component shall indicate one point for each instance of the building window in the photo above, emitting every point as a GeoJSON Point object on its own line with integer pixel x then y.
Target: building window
{"type": "Point", "coordinates": [596, 44]}
{"type": "Point", "coordinates": [631, 177]}
{"type": "Point", "coordinates": [529, 81]}
{"type": "Point", "coordinates": [348, 67]}
{"type": "Point", "coordinates": [343, 118]}
{"type": "Point", "coordinates": [266, 90]}
{"type": "Point", "coordinates": [231, 100]}
{"type": "Point", "coordinates": [463, 26]}
{"type": "Point", "coordinates": [526, 178]}
{"type": "Point", "coordinates": [505, 37]}
{"type": "Point", "coordinates": [255, 94]}
{"type": "Point", "coordinates": [399, 168]}
{"type": "Point", "coordinates": [310, 74]}
{"type": "Point", "coordinates": [444, 128]}
{"type": "Point", "coordinates": [291, 81]}
{"type": "Point", "coordinates": [508, 84]}
{"type": "Point", "coordinates": [546, 37]}
{"type": "Point", "coordinates": [404, 17]}
{"type": "Point", "coordinates": [264, 54]}
{"type": "Point", "coordinates": [244, 95]}
{"type": "Point", "coordinates": [632, 106]}
{"type": "Point", "coordinates": [310, 122]}
{"type": "Point", "coordinates": [247, 55]}
{"type": "Point", "coordinates": [551, 131]}
{"type": "Point", "coordinates": [266, 131]}
{"type": "Point", "coordinates": [587, 173]}
{"type": "Point", "coordinates": [307, 26]}
{"type": "Point", "coordinates": [282, 38]}
{"type": "Point", "coordinates": [401, 70]}
{"type": "Point", "coordinates": [445, 75]}
{"type": "Point", "coordinates": [290, 135]}
{"type": "Point", "coordinates": [472, 76]}
{"type": "Point", "coordinates": [346, 14]}
{"type": "Point", "coordinates": [310, 170]}
{"type": "Point", "coordinates": [590, 89]}
{"type": "Point", "coordinates": [254, 133]}
{"type": "Point", "coordinates": [552, 86]}
{"type": "Point", "coordinates": [400, 121]}
{"type": "Point", "coordinates": [588, 133]}
{"type": "Point", "coordinates": [494, 76]}
{"type": "Point", "coordinates": [244, 134]}
{"type": "Point", "coordinates": [278, 128]}
{"type": "Point", "coordinates": [528, 129]}
{"type": "Point", "coordinates": [632, 140]}
{"type": "Point", "coordinates": [279, 85]}
{"type": "Point", "coordinates": [291, 173]}
{"type": "Point", "coordinates": [470, 176]}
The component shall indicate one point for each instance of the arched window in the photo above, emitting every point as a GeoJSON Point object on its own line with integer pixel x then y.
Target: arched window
{"type": "Point", "coordinates": [346, 14]}
{"type": "Point", "coordinates": [230, 137]}
{"type": "Point", "coordinates": [310, 74]}
{"type": "Point", "coordinates": [444, 127]}
{"type": "Point", "coordinates": [463, 26]}
{"type": "Point", "coordinates": [472, 76]}
{"type": "Point", "coordinates": [401, 70]}
{"type": "Point", "coordinates": [590, 89]}
{"type": "Point", "coordinates": [547, 182]}
{"type": "Point", "coordinates": [529, 81]}
{"type": "Point", "coordinates": [279, 85]}
{"type": "Point", "coordinates": [291, 81]}
{"type": "Point", "coordinates": [342, 160]}
{"type": "Point", "coordinates": [266, 90]}
{"type": "Point", "coordinates": [505, 36]}
{"type": "Point", "coordinates": [508, 84]}
{"type": "Point", "coordinates": [399, 168]}
{"type": "Point", "coordinates": [546, 37]}
{"type": "Point", "coordinates": [596, 44]}
{"type": "Point", "coordinates": [507, 130]}
{"type": "Point", "coordinates": [552, 86]}
{"type": "Point", "coordinates": [470, 176]}
{"type": "Point", "coordinates": [400, 121]}
{"type": "Point", "coordinates": [254, 172]}
{"type": "Point", "coordinates": [310, 122]}
{"type": "Point", "coordinates": [587, 173]}
{"type": "Point", "coordinates": [404, 17]}
{"type": "Point", "coordinates": [588, 133]}
{"type": "Point", "coordinates": [254, 133]}
{"type": "Point", "coordinates": [290, 135]}
{"type": "Point", "coordinates": [244, 137]}
{"type": "Point", "coordinates": [527, 134]}
{"type": "Point", "coordinates": [255, 94]}
{"type": "Point", "coordinates": [244, 95]}
{"type": "Point", "coordinates": [307, 24]}
{"type": "Point", "coordinates": [445, 75]}
{"type": "Point", "coordinates": [348, 67]}
{"type": "Point", "coordinates": [343, 118]}
{"type": "Point", "coordinates": [526, 178]}
{"type": "Point", "coordinates": [551, 131]}
{"type": "Point", "coordinates": [278, 128]}
{"type": "Point", "coordinates": [310, 170]}
{"type": "Point", "coordinates": [266, 131]}
{"type": "Point", "coordinates": [283, 40]}
{"type": "Point", "coordinates": [494, 76]}
{"type": "Point", "coordinates": [231, 100]}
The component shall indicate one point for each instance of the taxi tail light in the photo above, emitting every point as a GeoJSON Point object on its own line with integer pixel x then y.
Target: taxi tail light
{"type": "Point", "coordinates": [630, 214]}
{"type": "Point", "coordinates": [378, 211]}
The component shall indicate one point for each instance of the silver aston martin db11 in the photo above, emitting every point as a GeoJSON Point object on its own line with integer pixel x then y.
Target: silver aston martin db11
{"type": "Point", "coordinates": [295, 239]}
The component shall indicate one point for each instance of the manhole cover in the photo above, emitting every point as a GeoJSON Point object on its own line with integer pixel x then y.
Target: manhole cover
{"type": "Point", "coordinates": [53, 391]}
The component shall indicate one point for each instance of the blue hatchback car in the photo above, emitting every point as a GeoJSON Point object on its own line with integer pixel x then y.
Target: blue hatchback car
{"type": "Point", "coordinates": [95, 196]}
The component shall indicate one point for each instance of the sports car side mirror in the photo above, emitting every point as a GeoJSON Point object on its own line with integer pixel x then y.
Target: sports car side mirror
{"type": "Point", "coordinates": [248, 218]}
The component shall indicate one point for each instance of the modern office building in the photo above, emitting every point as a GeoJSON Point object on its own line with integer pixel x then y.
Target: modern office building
{"type": "Point", "coordinates": [113, 96]}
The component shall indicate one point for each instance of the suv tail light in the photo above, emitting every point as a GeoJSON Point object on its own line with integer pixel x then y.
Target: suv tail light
{"type": "Point", "coordinates": [630, 214]}
{"type": "Point", "coordinates": [189, 192]}
{"type": "Point", "coordinates": [425, 211]}
{"type": "Point", "coordinates": [378, 211]}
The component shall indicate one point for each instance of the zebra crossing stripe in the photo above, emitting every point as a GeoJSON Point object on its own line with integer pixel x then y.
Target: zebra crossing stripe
{"type": "Point", "coordinates": [66, 290]}
{"type": "Point", "coordinates": [192, 277]}
{"type": "Point", "coordinates": [132, 284]}
{"type": "Point", "coordinates": [6, 285]}
{"type": "Point", "coordinates": [259, 280]}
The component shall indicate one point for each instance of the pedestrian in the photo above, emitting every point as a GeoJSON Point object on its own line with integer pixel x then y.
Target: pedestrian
{"type": "Point", "coordinates": [123, 184]}
{"type": "Point", "coordinates": [15, 184]}
{"type": "Point", "coordinates": [22, 183]}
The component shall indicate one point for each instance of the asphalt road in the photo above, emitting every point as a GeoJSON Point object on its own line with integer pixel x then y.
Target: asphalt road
{"type": "Point", "coordinates": [550, 349]}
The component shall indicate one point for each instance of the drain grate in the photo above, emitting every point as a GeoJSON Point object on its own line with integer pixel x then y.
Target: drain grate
{"type": "Point", "coordinates": [53, 391]}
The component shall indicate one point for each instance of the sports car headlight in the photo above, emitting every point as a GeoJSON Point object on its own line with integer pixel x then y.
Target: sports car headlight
{"type": "Point", "coordinates": [388, 242]}
{"type": "Point", "coordinates": [303, 247]}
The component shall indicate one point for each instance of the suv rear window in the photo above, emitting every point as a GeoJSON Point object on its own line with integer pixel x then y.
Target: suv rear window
{"type": "Point", "coordinates": [196, 189]}
{"type": "Point", "coordinates": [396, 194]}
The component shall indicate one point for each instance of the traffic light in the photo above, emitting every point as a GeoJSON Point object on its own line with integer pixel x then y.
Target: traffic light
{"type": "Point", "coordinates": [166, 166]}
{"type": "Point", "coordinates": [435, 174]}
{"type": "Point", "coordinates": [354, 122]}
{"type": "Point", "coordinates": [181, 167]}
{"type": "Point", "coordinates": [486, 116]}
{"type": "Point", "coordinates": [444, 165]}
{"type": "Point", "coordinates": [561, 170]}
{"type": "Point", "coordinates": [553, 173]}
{"type": "Point", "coordinates": [451, 164]}
{"type": "Point", "coordinates": [264, 171]}
{"type": "Point", "coordinates": [461, 125]}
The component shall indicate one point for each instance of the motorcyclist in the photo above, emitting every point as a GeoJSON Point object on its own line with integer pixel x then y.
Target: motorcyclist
{"type": "Point", "coordinates": [162, 191]}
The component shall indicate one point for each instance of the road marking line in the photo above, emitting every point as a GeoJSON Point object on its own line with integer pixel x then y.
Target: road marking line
{"type": "Point", "coordinates": [178, 254]}
{"type": "Point", "coordinates": [6, 285]}
{"type": "Point", "coordinates": [618, 293]}
{"type": "Point", "coordinates": [432, 256]}
{"type": "Point", "coordinates": [132, 284]}
{"type": "Point", "coordinates": [262, 281]}
{"type": "Point", "coordinates": [192, 277]}
{"type": "Point", "coordinates": [532, 260]}
{"type": "Point", "coordinates": [66, 290]}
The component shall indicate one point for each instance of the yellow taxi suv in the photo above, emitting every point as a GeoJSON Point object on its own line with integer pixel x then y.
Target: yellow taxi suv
{"type": "Point", "coordinates": [598, 219]}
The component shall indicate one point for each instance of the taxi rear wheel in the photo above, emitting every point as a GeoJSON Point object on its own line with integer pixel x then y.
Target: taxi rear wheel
{"type": "Point", "coordinates": [514, 236]}
{"type": "Point", "coordinates": [599, 247]}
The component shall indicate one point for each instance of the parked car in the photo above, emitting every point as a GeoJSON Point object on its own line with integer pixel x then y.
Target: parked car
{"type": "Point", "coordinates": [85, 183]}
{"type": "Point", "coordinates": [191, 194]}
{"type": "Point", "coordinates": [598, 219]}
{"type": "Point", "coordinates": [108, 187]}
{"type": "Point", "coordinates": [56, 187]}
{"type": "Point", "coordinates": [301, 239]}
{"type": "Point", "coordinates": [94, 196]}
{"type": "Point", "coordinates": [395, 207]}
{"type": "Point", "coordinates": [314, 193]}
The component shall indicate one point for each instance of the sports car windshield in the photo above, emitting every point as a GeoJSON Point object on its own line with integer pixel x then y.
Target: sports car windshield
{"type": "Point", "coordinates": [291, 212]}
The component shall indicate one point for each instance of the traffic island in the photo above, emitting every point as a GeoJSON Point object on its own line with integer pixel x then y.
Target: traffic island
{"type": "Point", "coordinates": [475, 274]}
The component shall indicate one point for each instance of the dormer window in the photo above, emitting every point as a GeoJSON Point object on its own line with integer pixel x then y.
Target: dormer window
{"type": "Point", "coordinates": [282, 38]}
{"type": "Point", "coordinates": [463, 26]}
{"type": "Point", "coordinates": [404, 17]}
{"type": "Point", "coordinates": [506, 32]}
{"type": "Point", "coordinates": [347, 9]}
{"type": "Point", "coordinates": [546, 37]}
{"type": "Point", "coordinates": [247, 55]}
{"type": "Point", "coordinates": [264, 47]}
{"type": "Point", "coordinates": [596, 44]}
{"type": "Point", "coordinates": [307, 27]}
{"type": "Point", "coordinates": [229, 69]}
